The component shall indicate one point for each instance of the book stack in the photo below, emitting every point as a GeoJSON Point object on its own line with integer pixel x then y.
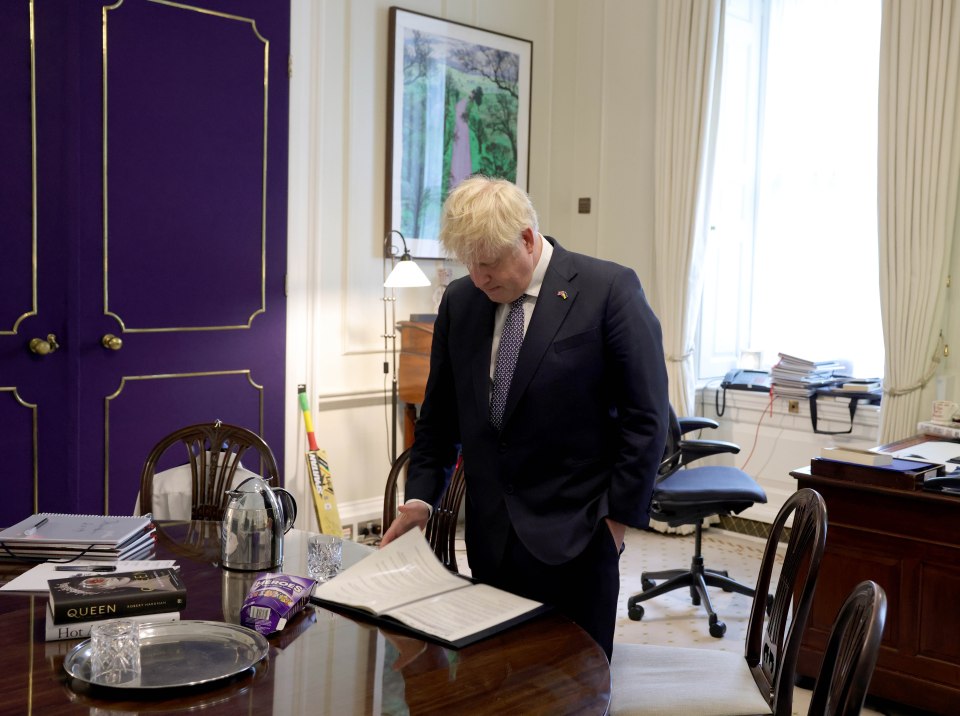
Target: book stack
{"type": "Point", "coordinates": [861, 385]}
{"type": "Point", "coordinates": [928, 427]}
{"type": "Point", "coordinates": [794, 377]}
{"type": "Point", "coordinates": [77, 603]}
{"type": "Point", "coordinates": [48, 535]}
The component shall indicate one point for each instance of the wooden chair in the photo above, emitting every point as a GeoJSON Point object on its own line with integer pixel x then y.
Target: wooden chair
{"type": "Point", "coordinates": [441, 528]}
{"type": "Point", "coordinates": [649, 679]}
{"type": "Point", "coordinates": [212, 452]}
{"type": "Point", "coordinates": [851, 653]}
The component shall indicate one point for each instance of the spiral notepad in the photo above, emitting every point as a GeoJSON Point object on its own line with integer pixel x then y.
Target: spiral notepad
{"type": "Point", "coordinates": [49, 534]}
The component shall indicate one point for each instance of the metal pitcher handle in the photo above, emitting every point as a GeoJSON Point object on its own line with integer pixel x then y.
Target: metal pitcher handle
{"type": "Point", "coordinates": [289, 506]}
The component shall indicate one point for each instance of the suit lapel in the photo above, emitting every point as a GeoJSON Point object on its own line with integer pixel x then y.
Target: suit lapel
{"type": "Point", "coordinates": [557, 296]}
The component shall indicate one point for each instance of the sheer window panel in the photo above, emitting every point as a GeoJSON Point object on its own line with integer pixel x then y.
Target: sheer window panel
{"type": "Point", "coordinates": [793, 240]}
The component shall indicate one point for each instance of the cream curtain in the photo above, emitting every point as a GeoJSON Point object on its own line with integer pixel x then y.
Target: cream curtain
{"type": "Point", "coordinates": [688, 73]}
{"type": "Point", "coordinates": [918, 176]}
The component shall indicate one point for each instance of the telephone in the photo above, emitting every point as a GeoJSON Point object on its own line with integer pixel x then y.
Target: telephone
{"type": "Point", "coordinates": [756, 380]}
{"type": "Point", "coordinates": [738, 379]}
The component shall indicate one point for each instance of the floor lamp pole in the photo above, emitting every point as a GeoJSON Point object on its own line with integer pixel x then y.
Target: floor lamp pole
{"type": "Point", "coordinates": [404, 273]}
{"type": "Point", "coordinates": [390, 334]}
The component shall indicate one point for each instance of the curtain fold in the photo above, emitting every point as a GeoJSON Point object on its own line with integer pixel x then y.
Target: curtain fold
{"type": "Point", "coordinates": [918, 191]}
{"type": "Point", "coordinates": [688, 73]}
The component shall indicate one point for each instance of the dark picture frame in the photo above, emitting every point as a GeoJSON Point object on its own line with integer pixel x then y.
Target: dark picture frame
{"type": "Point", "coordinates": [458, 103]}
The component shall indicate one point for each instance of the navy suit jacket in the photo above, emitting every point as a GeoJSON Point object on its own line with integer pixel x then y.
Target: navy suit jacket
{"type": "Point", "coordinates": [585, 421]}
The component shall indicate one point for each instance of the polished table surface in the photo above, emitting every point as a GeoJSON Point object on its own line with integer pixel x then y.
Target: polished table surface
{"type": "Point", "coordinates": [321, 663]}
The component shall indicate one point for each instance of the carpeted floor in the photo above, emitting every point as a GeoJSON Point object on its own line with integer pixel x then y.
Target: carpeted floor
{"type": "Point", "coordinates": [671, 619]}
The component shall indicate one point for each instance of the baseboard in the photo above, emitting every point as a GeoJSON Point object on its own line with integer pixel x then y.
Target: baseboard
{"type": "Point", "coordinates": [751, 528]}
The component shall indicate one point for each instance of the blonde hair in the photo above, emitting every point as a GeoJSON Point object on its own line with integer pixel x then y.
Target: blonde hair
{"type": "Point", "coordinates": [483, 218]}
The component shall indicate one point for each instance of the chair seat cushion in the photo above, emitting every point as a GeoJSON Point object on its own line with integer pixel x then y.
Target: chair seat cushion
{"type": "Point", "coordinates": [652, 680]}
{"type": "Point", "coordinates": [711, 483]}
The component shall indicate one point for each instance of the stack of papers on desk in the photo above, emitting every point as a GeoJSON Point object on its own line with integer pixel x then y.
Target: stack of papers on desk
{"type": "Point", "coordinates": [795, 377]}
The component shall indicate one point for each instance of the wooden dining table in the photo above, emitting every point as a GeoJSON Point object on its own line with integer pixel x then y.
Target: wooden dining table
{"type": "Point", "coordinates": [322, 662]}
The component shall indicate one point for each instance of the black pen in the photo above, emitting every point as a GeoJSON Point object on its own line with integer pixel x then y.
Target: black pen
{"type": "Point", "coordinates": [33, 530]}
{"type": "Point", "coordinates": [84, 568]}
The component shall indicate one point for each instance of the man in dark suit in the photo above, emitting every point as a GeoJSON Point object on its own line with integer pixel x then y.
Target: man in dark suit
{"type": "Point", "coordinates": [561, 457]}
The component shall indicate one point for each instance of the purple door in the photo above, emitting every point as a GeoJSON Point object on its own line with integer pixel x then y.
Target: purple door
{"type": "Point", "coordinates": [144, 194]}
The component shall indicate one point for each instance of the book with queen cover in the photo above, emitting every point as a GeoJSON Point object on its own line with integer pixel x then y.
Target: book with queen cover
{"type": "Point", "coordinates": [83, 598]}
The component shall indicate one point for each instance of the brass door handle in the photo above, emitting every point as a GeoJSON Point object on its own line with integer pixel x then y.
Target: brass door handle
{"type": "Point", "coordinates": [43, 347]}
{"type": "Point", "coordinates": [112, 342]}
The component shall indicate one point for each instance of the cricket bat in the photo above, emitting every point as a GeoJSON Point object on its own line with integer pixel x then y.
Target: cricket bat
{"type": "Point", "coordinates": [318, 469]}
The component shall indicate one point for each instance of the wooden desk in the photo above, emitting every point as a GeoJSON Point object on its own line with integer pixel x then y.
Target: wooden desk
{"type": "Point", "coordinates": [414, 367]}
{"type": "Point", "coordinates": [322, 663]}
{"type": "Point", "coordinates": [909, 543]}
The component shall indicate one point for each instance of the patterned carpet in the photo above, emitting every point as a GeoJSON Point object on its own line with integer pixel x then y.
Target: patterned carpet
{"type": "Point", "coordinates": [671, 619]}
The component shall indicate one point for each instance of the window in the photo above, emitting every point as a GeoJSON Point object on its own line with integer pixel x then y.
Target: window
{"type": "Point", "coordinates": [792, 250]}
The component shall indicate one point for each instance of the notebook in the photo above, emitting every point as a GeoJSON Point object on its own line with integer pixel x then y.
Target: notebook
{"type": "Point", "coordinates": [48, 534]}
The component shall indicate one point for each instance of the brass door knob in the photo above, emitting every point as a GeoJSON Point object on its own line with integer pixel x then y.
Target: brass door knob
{"type": "Point", "coordinates": [112, 342]}
{"type": "Point", "coordinates": [43, 347]}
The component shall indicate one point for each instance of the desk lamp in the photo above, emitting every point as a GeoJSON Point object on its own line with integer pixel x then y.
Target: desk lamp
{"type": "Point", "coordinates": [404, 274]}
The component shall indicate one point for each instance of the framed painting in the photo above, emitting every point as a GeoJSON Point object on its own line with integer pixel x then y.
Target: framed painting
{"type": "Point", "coordinates": [458, 104]}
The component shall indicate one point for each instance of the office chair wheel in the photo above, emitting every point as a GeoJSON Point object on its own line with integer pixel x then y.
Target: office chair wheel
{"type": "Point", "coordinates": [647, 584]}
{"type": "Point", "coordinates": [694, 597]}
{"type": "Point", "coordinates": [635, 612]}
{"type": "Point", "coordinates": [717, 627]}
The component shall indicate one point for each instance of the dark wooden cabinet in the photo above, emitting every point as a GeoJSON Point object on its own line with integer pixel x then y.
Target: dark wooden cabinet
{"type": "Point", "coordinates": [908, 541]}
{"type": "Point", "coordinates": [416, 338]}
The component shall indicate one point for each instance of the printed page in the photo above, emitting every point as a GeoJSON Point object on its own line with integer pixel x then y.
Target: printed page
{"type": "Point", "coordinates": [461, 613]}
{"type": "Point", "coordinates": [404, 571]}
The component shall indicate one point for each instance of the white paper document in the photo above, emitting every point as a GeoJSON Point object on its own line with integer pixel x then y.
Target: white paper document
{"type": "Point", "coordinates": [405, 581]}
{"type": "Point", "coordinates": [934, 451]}
{"type": "Point", "coordinates": [35, 579]}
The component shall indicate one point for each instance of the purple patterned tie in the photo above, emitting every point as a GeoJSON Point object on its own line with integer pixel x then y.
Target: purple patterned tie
{"type": "Point", "coordinates": [510, 340]}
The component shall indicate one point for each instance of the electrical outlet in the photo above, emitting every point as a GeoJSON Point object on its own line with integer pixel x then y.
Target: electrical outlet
{"type": "Point", "coordinates": [368, 532]}
{"type": "Point", "coordinates": [793, 407]}
{"type": "Point", "coordinates": [347, 531]}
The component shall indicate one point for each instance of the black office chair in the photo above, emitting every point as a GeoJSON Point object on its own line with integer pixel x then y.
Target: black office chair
{"type": "Point", "coordinates": [686, 496]}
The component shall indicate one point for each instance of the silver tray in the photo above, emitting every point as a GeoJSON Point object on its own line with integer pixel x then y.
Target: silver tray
{"type": "Point", "coordinates": [181, 653]}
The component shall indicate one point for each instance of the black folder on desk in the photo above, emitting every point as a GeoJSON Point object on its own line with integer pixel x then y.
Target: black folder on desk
{"type": "Point", "coordinates": [403, 586]}
{"type": "Point", "coordinates": [396, 625]}
{"type": "Point", "coordinates": [901, 474]}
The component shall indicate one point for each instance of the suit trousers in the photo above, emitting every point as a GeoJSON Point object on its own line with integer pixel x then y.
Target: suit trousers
{"type": "Point", "coordinates": [585, 589]}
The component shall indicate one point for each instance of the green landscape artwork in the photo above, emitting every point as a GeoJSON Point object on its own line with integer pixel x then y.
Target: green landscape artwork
{"type": "Point", "coordinates": [464, 109]}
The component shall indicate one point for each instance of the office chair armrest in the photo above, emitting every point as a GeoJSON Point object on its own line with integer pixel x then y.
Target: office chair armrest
{"type": "Point", "coordinates": [691, 450]}
{"type": "Point", "coordinates": [697, 422]}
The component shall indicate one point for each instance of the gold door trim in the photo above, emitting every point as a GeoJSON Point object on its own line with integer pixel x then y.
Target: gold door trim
{"type": "Point", "coordinates": [33, 177]}
{"type": "Point", "coordinates": [36, 441]}
{"type": "Point", "coordinates": [263, 180]}
{"type": "Point", "coordinates": [164, 376]}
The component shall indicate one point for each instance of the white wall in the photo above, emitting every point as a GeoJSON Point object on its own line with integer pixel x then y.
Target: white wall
{"type": "Point", "coordinates": [773, 442]}
{"type": "Point", "coordinates": [591, 136]}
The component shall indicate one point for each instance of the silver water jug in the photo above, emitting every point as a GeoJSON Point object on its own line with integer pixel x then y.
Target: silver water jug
{"type": "Point", "coordinates": [254, 522]}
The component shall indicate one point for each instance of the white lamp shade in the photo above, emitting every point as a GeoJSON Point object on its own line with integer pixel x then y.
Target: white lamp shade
{"type": "Point", "coordinates": [406, 274]}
